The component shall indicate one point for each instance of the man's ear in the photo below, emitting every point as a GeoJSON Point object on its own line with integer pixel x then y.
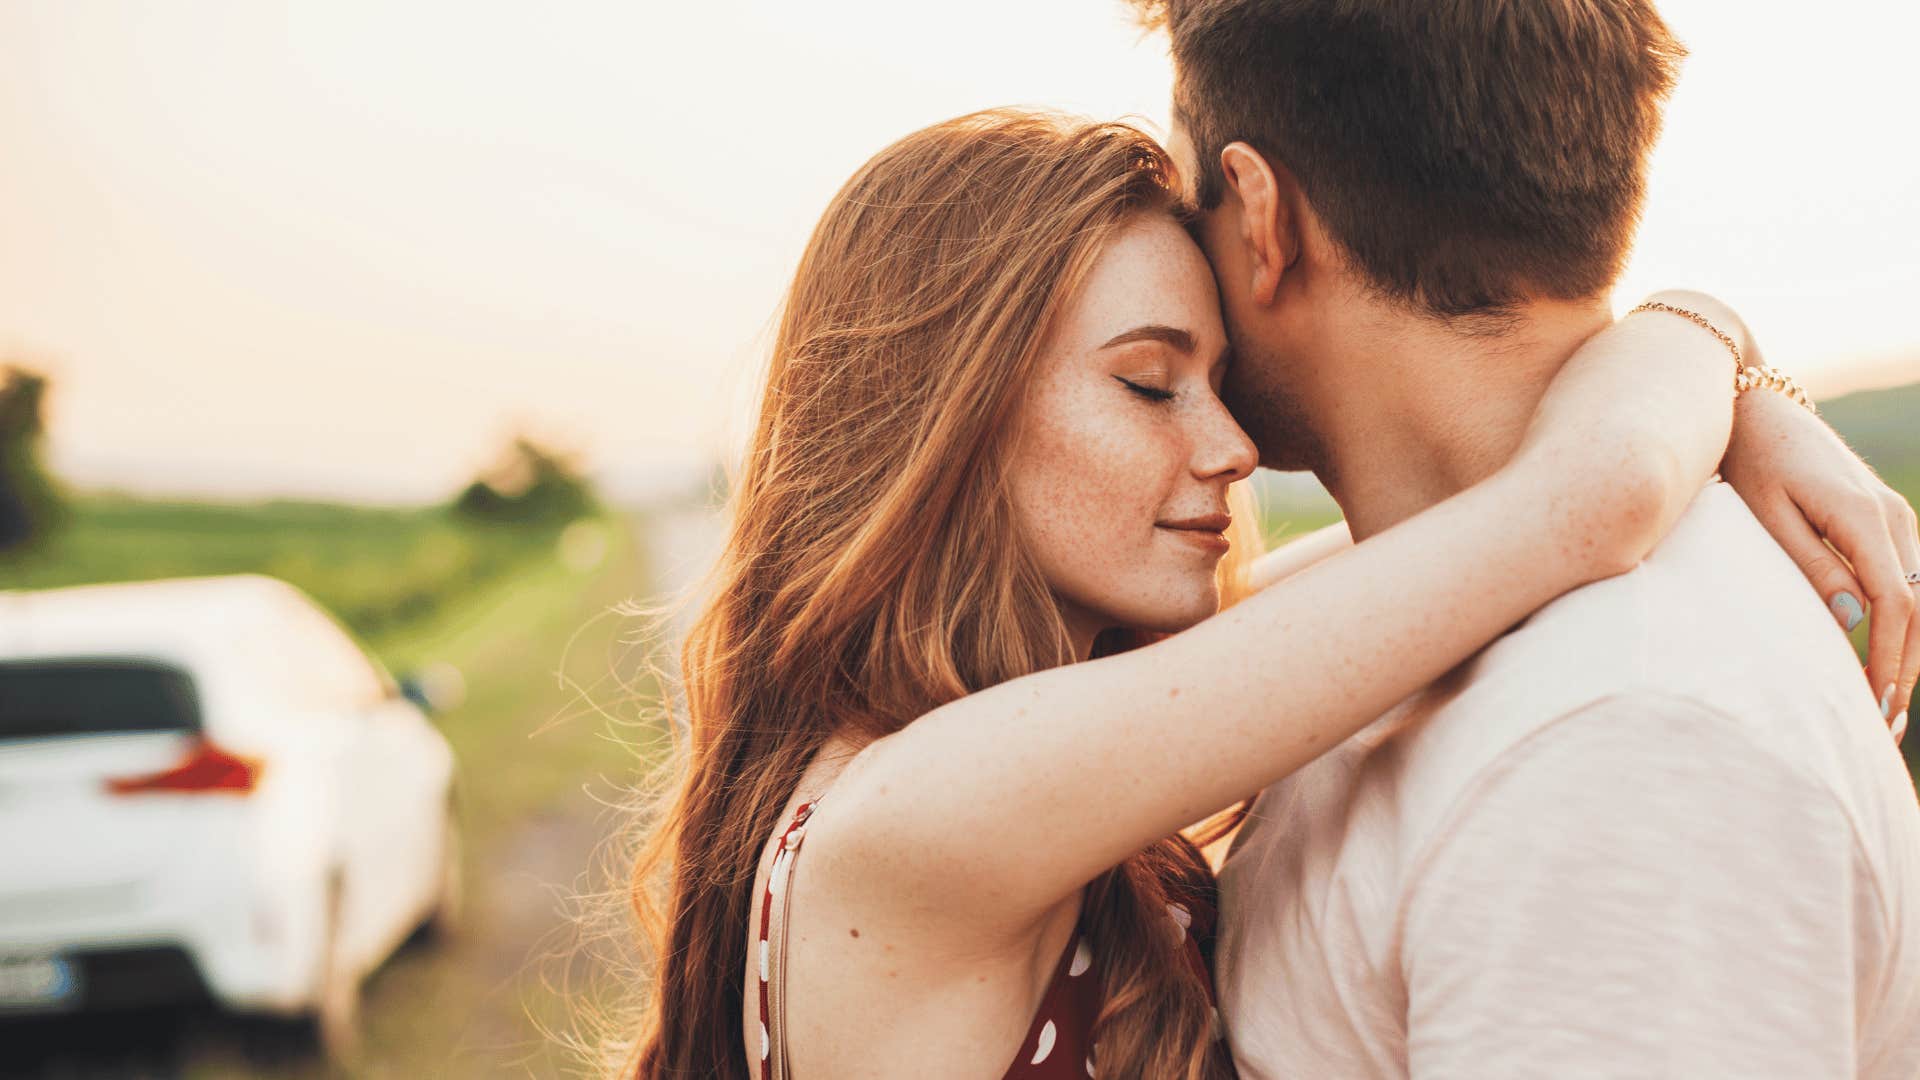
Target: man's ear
{"type": "Point", "coordinates": [1268, 225]}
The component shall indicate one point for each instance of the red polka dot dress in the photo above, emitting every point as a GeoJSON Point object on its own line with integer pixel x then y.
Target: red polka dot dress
{"type": "Point", "coordinates": [1058, 1044]}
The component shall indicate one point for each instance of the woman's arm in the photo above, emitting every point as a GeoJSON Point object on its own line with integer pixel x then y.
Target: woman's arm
{"type": "Point", "coordinates": [995, 807]}
{"type": "Point", "coordinates": [1854, 537]}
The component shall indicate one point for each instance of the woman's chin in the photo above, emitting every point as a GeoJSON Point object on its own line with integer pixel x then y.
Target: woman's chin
{"type": "Point", "coordinates": [1174, 618]}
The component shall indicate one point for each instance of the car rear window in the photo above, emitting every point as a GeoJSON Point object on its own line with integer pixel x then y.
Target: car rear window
{"type": "Point", "coordinates": [49, 698]}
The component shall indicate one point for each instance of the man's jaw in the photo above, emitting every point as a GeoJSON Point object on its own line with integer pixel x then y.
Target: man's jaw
{"type": "Point", "coordinates": [1272, 414]}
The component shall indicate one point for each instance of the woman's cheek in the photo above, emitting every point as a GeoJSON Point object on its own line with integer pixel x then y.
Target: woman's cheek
{"type": "Point", "coordinates": [1092, 494]}
{"type": "Point", "coordinates": [1122, 483]}
{"type": "Point", "coordinates": [1115, 455]}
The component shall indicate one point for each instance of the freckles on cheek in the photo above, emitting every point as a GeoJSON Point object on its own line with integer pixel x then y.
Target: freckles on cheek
{"type": "Point", "coordinates": [1094, 484]}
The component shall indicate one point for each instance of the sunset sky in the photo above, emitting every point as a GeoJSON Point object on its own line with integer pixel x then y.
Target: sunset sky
{"type": "Point", "coordinates": [342, 249]}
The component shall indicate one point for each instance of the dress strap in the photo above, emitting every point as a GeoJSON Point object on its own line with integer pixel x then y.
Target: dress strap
{"type": "Point", "coordinates": [773, 948]}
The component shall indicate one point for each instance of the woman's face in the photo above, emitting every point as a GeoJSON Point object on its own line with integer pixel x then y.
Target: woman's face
{"type": "Point", "coordinates": [1120, 472]}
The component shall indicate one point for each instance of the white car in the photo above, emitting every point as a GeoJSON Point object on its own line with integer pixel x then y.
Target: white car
{"type": "Point", "coordinates": [208, 790]}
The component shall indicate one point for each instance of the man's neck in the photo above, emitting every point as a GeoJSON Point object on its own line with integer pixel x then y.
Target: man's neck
{"type": "Point", "coordinates": [1421, 410]}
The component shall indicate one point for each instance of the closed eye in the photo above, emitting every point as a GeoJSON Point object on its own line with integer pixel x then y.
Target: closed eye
{"type": "Point", "coordinates": [1151, 393]}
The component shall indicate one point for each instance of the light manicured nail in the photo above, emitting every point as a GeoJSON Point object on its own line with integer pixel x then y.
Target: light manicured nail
{"type": "Point", "coordinates": [1846, 610]}
{"type": "Point", "coordinates": [1886, 703]}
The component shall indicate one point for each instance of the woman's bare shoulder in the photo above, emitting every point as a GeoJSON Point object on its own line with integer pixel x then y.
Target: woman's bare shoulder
{"type": "Point", "coordinates": [866, 968]}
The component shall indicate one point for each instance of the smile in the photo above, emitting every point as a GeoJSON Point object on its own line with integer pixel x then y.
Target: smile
{"type": "Point", "coordinates": [1204, 537]}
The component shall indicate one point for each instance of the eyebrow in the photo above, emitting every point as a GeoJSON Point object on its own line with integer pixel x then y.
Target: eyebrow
{"type": "Point", "coordinates": [1170, 335]}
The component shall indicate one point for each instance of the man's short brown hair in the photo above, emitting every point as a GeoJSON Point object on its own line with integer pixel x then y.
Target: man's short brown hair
{"type": "Point", "coordinates": [1467, 154]}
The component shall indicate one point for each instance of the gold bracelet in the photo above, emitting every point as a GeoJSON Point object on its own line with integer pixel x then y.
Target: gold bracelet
{"type": "Point", "coordinates": [1745, 376]}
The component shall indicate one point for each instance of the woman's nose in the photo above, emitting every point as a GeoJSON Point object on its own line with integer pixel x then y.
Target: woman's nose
{"type": "Point", "coordinates": [1223, 450]}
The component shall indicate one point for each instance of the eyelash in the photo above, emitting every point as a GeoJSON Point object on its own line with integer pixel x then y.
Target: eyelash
{"type": "Point", "coordinates": [1148, 392]}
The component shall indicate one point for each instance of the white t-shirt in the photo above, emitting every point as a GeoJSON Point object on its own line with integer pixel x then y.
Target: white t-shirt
{"type": "Point", "coordinates": [1657, 830]}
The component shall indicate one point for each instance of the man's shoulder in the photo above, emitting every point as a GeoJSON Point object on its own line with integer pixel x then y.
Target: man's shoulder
{"type": "Point", "coordinates": [1717, 633]}
{"type": "Point", "coordinates": [1717, 619]}
{"type": "Point", "coordinates": [1717, 612]}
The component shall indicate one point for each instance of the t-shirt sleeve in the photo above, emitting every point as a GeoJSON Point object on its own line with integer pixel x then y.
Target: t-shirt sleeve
{"type": "Point", "coordinates": [1640, 890]}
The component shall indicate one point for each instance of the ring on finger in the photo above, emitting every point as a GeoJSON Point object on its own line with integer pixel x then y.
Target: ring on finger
{"type": "Point", "coordinates": [1913, 578]}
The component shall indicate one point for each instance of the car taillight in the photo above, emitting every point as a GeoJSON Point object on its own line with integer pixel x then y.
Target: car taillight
{"type": "Point", "coordinates": [206, 768]}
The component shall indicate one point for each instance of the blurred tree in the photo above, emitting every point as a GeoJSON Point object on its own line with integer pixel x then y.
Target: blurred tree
{"type": "Point", "coordinates": [532, 485]}
{"type": "Point", "coordinates": [31, 504]}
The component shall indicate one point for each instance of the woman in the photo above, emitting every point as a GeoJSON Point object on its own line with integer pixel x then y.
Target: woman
{"type": "Point", "coordinates": [974, 469]}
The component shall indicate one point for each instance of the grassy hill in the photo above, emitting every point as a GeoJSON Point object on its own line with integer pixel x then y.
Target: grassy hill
{"type": "Point", "coordinates": [1884, 427]}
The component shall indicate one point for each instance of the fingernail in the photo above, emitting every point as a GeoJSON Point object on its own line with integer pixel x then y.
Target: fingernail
{"type": "Point", "coordinates": [1899, 728]}
{"type": "Point", "coordinates": [1886, 702]}
{"type": "Point", "coordinates": [1846, 610]}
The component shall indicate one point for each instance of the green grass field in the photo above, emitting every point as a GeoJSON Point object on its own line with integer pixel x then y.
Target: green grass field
{"type": "Point", "coordinates": [377, 569]}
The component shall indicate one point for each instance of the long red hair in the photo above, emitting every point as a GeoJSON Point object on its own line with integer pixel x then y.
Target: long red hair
{"type": "Point", "coordinates": [872, 570]}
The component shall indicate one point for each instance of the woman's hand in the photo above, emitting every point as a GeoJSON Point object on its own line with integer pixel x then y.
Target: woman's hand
{"type": "Point", "coordinates": [1853, 536]}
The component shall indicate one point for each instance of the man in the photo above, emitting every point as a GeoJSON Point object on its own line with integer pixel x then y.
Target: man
{"type": "Point", "coordinates": [1658, 830]}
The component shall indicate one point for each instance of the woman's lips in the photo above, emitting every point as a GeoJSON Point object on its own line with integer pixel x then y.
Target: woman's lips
{"type": "Point", "coordinates": [1208, 531]}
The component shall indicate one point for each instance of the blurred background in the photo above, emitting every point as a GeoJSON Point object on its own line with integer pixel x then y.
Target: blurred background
{"type": "Point", "coordinates": [447, 315]}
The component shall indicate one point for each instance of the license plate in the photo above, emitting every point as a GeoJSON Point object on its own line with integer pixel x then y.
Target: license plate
{"type": "Point", "coordinates": [37, 982]}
